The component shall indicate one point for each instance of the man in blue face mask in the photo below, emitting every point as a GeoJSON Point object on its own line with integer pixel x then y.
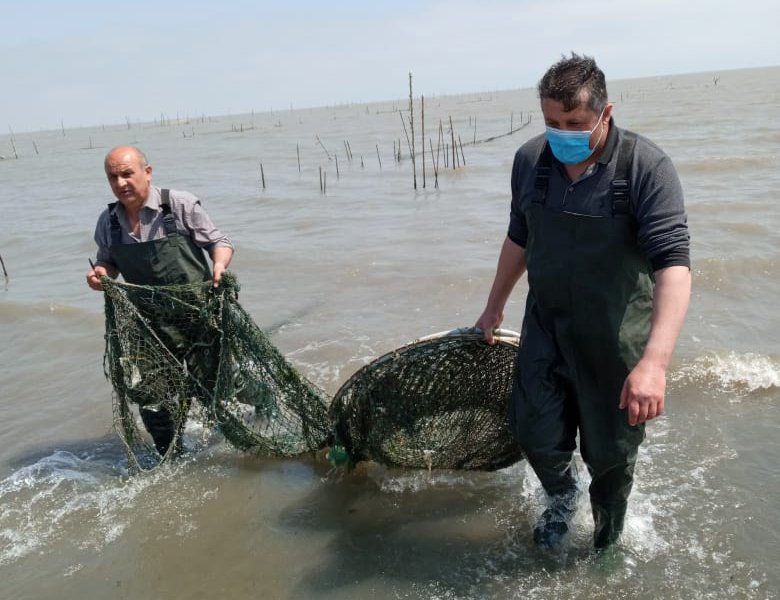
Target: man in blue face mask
{"type": "Point", "coordinates": [598, 223]}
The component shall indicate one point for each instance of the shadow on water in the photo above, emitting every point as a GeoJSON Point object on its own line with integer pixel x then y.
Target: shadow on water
{"type": "Point", "coordinates": [449, 531]}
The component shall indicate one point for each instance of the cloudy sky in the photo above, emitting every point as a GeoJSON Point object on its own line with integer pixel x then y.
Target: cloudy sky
{"type": "Point", "coordinates": [90, 62]}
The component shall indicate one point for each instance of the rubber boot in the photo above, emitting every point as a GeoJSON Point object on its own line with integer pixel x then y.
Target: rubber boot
{"type": "Point", "coordinates": [608, 521]}
{"type": "Point", "coordinates": [552, 531]}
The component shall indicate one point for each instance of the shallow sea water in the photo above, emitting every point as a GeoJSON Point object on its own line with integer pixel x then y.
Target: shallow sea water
{"type": "Point", "coordinates": [341, 277]}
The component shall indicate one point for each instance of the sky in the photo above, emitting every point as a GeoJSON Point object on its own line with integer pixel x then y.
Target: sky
{"type": "Point", "coordinates": [87, 62]}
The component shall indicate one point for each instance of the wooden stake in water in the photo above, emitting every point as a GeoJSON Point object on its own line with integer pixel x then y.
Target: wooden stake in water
{"type": "Point", "coordinates": [406, 133]}
{"type": "Point", "coordinates": [323, 147]}
{"type": "Point", "coordinates": [411, 126]}
{"type": "Point", "coordinates": [435, 167]}
{"type": "Point", "coordinates": [5, 273]}
{"type": "Point", "coordinates": [262, 175]}
{"type": "Point", "coordinates": [439, 144]}
{"type": "Point", "coordinates": [298, 152]}
{"type": "Point", "coordinates": [379, 158]}
{"type": "Point", "coordinates": [422, 134]}
{"type": "Point", "coordinates": [338, 177]}
{"type": "Point", "coordinates": [452, 134]}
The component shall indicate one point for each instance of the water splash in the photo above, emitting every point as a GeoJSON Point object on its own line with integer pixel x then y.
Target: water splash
{"type": "Point", "coordinates": [87, 500]}
{"type": "Point", "coordinates": [741, 373]}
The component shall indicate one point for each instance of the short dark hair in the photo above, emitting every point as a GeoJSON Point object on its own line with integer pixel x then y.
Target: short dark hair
{"type": "Point", "coordinates": [567, 79]}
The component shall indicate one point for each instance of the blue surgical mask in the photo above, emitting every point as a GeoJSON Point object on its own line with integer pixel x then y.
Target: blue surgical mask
{"type": "Point", "coordinates": [572, 147]}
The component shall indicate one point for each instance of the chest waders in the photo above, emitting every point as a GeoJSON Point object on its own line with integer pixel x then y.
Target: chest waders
{"type": "Point", "coordinates": [586, 323]}
{"type": "Point", "coordinates": [171, 260]}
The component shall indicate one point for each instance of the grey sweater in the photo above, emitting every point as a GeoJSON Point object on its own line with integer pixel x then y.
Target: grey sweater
{"type": "Point", "coordinates": [656, 198]}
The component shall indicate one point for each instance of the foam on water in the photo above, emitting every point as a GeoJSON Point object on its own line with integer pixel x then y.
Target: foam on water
{"type": "Point", "coordinates": [87, 499]}
{"type": "Point", "coordinates": [675, 518]}
{"type": "Point", "coordinates": [735, 372]}
{"type": "Point", "coordinates": [38, 501]}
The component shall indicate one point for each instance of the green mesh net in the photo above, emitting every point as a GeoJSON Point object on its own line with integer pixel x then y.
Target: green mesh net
{"type": "Point", "coordinates": [191, 350]}
{"type": "Point", "coordinates": [439, 402]}
{"type": "Point", "coordinates": [169, 345]}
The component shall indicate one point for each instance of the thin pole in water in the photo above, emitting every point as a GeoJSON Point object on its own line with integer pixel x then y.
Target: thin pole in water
{"type": "Point", "coordinates": [422, 135]}
{"type": "Point", "coordinates": [452, 135]}
{"type": "Point", "coordinates": [435, 166]}
{"type": "Point", "coordinates": [411, 127]}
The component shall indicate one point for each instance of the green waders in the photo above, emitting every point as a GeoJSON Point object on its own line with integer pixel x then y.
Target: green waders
{"type": "Point", "coordinates": [174, 259]}
{"type": "Point", "coordinates": [586, 322]}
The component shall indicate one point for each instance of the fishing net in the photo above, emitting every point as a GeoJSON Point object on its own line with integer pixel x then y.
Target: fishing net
{"type": "Point", "coordinates": [191, 350]}
{"type": "Point", "coordinates": [439, 402]}
{"type": "Point", "coordinates": [169, 345]}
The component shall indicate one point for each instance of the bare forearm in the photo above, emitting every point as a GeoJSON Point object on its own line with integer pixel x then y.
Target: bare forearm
{"type": "Point", "coordinates": [511, 266]}
{"type": "Point", "coordinates": [670, 305]}
{"type": "Point", "coordinates": [644, 391]}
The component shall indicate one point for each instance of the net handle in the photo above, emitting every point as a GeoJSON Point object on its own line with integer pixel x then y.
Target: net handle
{"type": "Point", "coordinates": [502, 335]}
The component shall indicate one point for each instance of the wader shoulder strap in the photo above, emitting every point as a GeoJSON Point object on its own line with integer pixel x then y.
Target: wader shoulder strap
{"type": "Point", "coordinates": [543, 168]}
{"type": "Point", "coordinates": [116, 231]}
{"type": "Point", "coordinates": [621, 184]}
{"type": "Point", "coordinates": [168, 218]}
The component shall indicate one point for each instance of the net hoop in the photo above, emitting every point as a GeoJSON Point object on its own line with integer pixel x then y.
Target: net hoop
{"type": "Point", "coordinates": [381, 413]}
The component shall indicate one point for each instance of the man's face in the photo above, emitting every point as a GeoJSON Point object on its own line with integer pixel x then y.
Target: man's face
{"type": "Point", "coordinates": [129, 178]}
{"type": "Point", "coordinates": [580, 118]}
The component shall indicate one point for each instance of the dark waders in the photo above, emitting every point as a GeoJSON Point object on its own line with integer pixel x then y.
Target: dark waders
{"type": "Point", "coordinates": [174, 259]}
{"type": "Point", "coordinates": [586, 323]}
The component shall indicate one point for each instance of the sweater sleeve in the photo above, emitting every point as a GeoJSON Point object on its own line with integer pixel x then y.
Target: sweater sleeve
{"type": "Point", "coordinates": [659, 208]}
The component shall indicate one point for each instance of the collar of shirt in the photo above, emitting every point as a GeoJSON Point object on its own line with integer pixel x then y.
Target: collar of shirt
{"type": "Point", "coordinates": [147, 217]}
{"type": "Point", "coordinates": [153, 202]}
{"type": "Point", "coordinates": [612, 140]}
{"type": "Point", "coordinates": [609, 149]}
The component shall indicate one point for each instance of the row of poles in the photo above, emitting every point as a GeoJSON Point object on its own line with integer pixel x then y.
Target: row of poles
{"type": "Point", "coordinates": [450, 151]}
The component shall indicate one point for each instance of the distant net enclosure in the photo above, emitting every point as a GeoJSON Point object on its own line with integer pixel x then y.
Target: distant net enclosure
{"type": "Point", "coordinates": [439, 402]}
{"type": "Point", "coordinates": [168, 345]}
